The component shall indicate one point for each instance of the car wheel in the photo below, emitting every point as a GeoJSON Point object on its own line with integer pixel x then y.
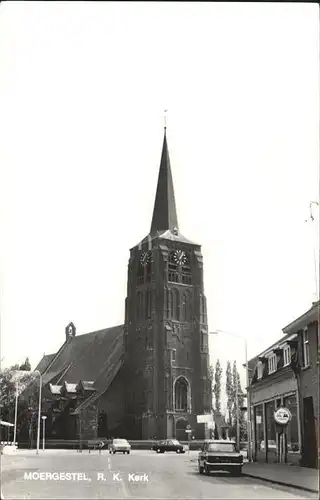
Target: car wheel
{"type": "Point", "coordinates": [178, 451]}
{"type": "Point", "coordinates": [200, 469]}
{"type": "Point", "coordinates": [206, 470]}
{"type": "Point", "coordinates": [158, 450]}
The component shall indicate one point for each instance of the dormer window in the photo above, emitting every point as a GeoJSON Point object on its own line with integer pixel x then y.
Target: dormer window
{"type": "Point", "coordinates": [260, 369]}
{"type": "Point", "coordinates": [272, 363]}
{"type": "Point", "coordinates": [286, 355]}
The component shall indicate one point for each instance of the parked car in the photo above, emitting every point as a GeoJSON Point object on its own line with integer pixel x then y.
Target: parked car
{"type": "Point", "coordinates": [119, 445]}
{"type": "Point", "coordinates": [272, 445]}
{"type": "Point", "coordinates": [168, 445]}
{"type": "Point", "coordinates": [220, 456]}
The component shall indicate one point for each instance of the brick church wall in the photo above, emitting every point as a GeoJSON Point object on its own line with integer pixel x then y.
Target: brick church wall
{"type": "Point", "coordinates": [89, 421]}
{"type": "Point", "coordinates": [113, 403]}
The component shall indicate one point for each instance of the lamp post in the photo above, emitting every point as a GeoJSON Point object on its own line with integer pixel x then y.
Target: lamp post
{"type": "Point", "coordinates": [15, 415]}
{"type": "Point", "coordinates": [217, 332]}
{"type": "Point", "coordinates": [43, 430]}
{"type": "Point", "coordinates": [39, 409]}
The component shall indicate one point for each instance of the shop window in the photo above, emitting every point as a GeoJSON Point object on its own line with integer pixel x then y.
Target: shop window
{"type": "Point", "coordinates": [271, 428]}
{"type": "Point", "coordinates": [258, 422]}
{"type": "Point", "coordinates": [272, 363]}
{"type": "Point", "coordinates": [306, 349]}
{"type": "Point", "coordinates": [290, 402]}
{"type": "Point", "coordinates": [286, 356]}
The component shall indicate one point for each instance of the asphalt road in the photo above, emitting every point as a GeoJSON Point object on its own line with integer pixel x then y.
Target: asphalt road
{"type": "Point", "coordinates": [142, 474]}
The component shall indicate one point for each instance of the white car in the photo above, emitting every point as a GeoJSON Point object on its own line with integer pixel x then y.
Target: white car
{"type": "Point", "coordinates": [272, 445]}
{"type": "Point", "coordinates": [120, 446]}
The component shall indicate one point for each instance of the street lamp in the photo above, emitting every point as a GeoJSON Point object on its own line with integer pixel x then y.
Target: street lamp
{"type": "Point", "coordinates": [217, 332]}
{"type": "Point", "coordinates": [43, 430]}
{"type": "Point", "coordinates": [15, 415]}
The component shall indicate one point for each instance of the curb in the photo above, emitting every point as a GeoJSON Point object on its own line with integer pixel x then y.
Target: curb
{"type": "Point", "coordinates": [281, 483]}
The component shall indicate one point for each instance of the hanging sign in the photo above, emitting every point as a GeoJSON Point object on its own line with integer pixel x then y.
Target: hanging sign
{"type": "Point", "coordinates": [282, 416]}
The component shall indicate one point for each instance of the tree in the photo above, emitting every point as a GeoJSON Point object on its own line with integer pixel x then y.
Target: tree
{"type": "Point", "coordinates": [26, 366]}
{"type": "Point", "coordinates": [229, 392]}
{"type": "Point", "coordinates": [211, 378]}
{"type": "Point", "coordinates": [217, 386]}
{"type": "Point", "coordinates": [236, 383]}
{"type": "Point", "coordinates": [12, 380]}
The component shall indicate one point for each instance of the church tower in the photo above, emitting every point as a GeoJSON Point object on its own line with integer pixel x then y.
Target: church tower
{"type": "Point", "coordinates": [166, 339]}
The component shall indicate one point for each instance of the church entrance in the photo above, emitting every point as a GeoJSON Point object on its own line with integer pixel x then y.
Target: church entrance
{"type": "Point", "coordinates": [181, 426]}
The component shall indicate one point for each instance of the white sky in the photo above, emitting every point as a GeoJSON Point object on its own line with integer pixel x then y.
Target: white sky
{"type": "Point", "coordinates": [83, 87]}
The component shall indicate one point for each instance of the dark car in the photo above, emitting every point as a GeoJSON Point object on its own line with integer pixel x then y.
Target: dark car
{"type": "Point", "coordinates": [168, 445]}
{"type": "Point", "coordinates": [220, 456]}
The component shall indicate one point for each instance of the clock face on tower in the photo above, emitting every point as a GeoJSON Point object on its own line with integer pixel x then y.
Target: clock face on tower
{"type": "Point", "coordinates": [145, 258]}
{"type": "Point", "coordinates": [179, 257]}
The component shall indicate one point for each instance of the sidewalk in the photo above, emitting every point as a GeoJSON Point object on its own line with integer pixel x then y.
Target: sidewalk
{"type": "Point", "coordinates": [287, 475]}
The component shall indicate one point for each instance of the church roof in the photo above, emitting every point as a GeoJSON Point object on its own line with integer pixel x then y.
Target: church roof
{"type": "Point", "coordinates": [167, 235]}
{"type": "Point", "coordinates": [164, 212]}
{"type": "Point", "coordinates": [82, 357]}
{"type": "Point", "coordinates": [44, 363]}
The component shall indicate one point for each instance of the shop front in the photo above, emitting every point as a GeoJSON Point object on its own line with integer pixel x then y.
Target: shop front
{"type": "Point", "coordinates": [274, 442]}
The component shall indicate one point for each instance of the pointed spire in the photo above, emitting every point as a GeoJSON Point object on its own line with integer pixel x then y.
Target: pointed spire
{"type": "Point", "coordinates": [164, 212]}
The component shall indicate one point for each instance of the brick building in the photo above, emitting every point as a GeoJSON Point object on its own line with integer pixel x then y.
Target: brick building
{"type": "Point", "coordinates": [148, 377]}
{"type": "Point", "coordinates": [287, 374]}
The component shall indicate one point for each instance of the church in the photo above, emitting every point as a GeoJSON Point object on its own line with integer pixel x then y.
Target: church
{"type": "Point", "coordinates": [147, 378]}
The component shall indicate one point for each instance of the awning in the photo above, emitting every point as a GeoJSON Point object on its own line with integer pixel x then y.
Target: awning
{"type": "Point", "coordinates": [6, 424]}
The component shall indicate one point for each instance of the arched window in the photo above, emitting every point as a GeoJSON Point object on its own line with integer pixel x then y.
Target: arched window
{"type": "Point", "coordinates": [181, 394]}
{"type": "Point", "coordinates": [170, 304]}
{"type": "Point", "coordinates": [202, 309]}
{"type": "Point", "coordinates": [176, 304]}
{"type": "Point", "coordinates": [148, 304]}
{"type": "Point", "coordinates": [148, 271]}
{"type": "Point", "coordinates": [139, 305]}
{"type": "Point", "coordinates": [186, 306]}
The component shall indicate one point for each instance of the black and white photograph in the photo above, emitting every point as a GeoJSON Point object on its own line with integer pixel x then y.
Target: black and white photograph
{"type": "Point", "coordinates": [159, 255]}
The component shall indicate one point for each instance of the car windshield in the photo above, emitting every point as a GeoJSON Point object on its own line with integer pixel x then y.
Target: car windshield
{"type": "Point", "coordinates": [174, 441]}
{"type": "Point", "coordinates": [120, 441]}
{"type": "Point", "coordinates": [224, 447]}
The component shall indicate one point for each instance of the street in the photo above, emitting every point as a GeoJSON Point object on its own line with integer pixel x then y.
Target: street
{"type": "Point", "coordinates": [142, 474]}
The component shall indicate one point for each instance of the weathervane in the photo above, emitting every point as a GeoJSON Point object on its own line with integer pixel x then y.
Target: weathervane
{"type": "Point", "coordinates": [165, 119]}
